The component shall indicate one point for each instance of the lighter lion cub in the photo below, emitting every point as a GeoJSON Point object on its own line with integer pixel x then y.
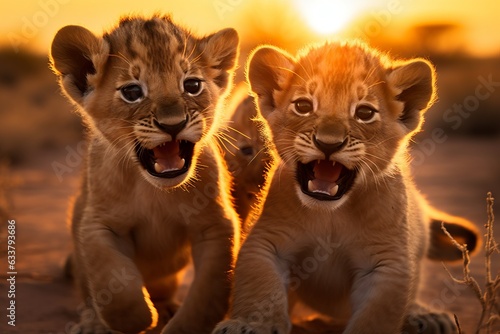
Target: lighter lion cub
{"type": "Point", "coordinates": [155, 189]}
{"type": "Point", "coordinates": [343, 226]}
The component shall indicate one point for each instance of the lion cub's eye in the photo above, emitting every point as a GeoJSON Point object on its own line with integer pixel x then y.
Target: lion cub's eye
{"type": "Point", "coordinates": [132, 93]}
{"type": "Point", "coordinates": [365, 114]}
{"type": "Point", "coordinates": [246, 150]}
{"type": "Point", "coordinates": [303, 107]}
{"type": "Point", "coordinates": [193, 86]}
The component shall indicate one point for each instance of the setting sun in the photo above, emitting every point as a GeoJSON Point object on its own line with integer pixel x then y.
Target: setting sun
{"type": "Point", "coordinates": [325, 16]}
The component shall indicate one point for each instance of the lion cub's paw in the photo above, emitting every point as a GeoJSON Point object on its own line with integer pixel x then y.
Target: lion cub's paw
{"type": "Point", "coordinates": [428, 322]}
{"type": "Point", "coordinates": [91, 327]}
{"type": "Point", "coordinates": [237, 326]}
{"type": "Point", "coordinates": [166, 311]}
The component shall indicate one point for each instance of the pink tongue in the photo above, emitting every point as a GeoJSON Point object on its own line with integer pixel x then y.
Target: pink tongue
{"type": "Point", "coordinates": [325, 170]}
{"type": "Point", "coordinates": [167, 150]}
{"type": "Point", "coordinates": [167, 157]}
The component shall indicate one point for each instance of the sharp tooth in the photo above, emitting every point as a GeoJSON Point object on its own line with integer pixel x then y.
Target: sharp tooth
{"type": "Point", "coordinates": [158, 168]}
{"type": "Point", "coordinates": [182, 163]}
{"type": "Point", "coordinates": [334, 190]}
{"type": "Point", "coordinates": [309, 185]}
{"type": "Point", "coordinates": [333, 163]}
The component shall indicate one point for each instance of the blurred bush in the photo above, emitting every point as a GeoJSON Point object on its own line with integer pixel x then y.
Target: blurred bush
{"type": "Point", "coordinates": [34, 115]}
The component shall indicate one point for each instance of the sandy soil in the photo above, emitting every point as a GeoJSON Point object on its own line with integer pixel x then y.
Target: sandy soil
{"type": "Point", "coordinates": [455, 178]}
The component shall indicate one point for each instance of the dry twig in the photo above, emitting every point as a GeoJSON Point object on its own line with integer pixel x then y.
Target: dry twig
{"type": "Point", "coordinates": [490, 313]}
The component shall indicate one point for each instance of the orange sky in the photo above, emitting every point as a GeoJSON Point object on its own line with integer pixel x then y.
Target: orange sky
{"type": "Point", "coordinates": [33, 23]}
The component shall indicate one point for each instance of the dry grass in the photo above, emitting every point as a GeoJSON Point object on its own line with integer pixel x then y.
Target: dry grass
{"type": "Point", "coordinates": [489, 295]}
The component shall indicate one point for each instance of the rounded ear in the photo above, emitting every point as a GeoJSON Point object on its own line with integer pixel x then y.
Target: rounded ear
{"type": "Point", "coordinates": [77, 54]}
{"type": "Point", "coordinates": [221, 50]}
{"type": "Point", "coordinates": [414, 83]}
{"type": "Point", "coordinates": [268, 70]}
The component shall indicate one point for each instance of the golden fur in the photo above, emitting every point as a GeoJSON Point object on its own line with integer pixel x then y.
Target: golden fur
{"type": "Point", "coordinates": [154, 190]}
{"type": "Point", "coordinates": [343, 228]}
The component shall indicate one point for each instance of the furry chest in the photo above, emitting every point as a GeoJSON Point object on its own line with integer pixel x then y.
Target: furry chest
{"type": "Point", "coordinates": [322, 279]}
{"type": "Point", "coordinates": [156, 243]}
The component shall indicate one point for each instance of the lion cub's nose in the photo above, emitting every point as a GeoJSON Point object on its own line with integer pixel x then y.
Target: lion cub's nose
{"type": "Point", "coordinates": [171, 129]}
{"type": "Point", "coordinates": [329, 145]}
{"type": "Point", "coordinates": [171, 119]}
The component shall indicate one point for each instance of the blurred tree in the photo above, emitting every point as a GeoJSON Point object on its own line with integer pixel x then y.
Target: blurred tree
{"type": "Point", "coordinates": [438, 39]}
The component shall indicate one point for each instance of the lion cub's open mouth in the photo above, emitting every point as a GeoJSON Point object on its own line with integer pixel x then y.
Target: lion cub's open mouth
{"type": "Point", "coordinates": [324, 180]}
{"type": "Point", "coordinates": [167, 160]}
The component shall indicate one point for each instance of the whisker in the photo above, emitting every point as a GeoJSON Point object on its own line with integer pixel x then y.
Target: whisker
{"type": "Point", "coordinates": [122, 57]}
{"type": "Point", "coordinates": [192, 51]}
{"type": "Point", "coordinates": [291, 71]}
{"type": "Point", "coordinates": [255, 156]}
{"type": "Point", "coordinates": [306, 72]}
{"type": "Point", "coordinates": [376, 83]}
{"type": "Point", "coordinates": [230, 128]}
{"type": "Point", "coordinates": [377, 157]}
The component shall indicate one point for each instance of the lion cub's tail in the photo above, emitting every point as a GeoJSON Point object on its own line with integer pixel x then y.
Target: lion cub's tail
{"type": "Point", "coordinates": [463, 231]}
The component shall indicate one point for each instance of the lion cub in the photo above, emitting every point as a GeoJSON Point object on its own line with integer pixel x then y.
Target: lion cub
{"type": "Point", "coordinates": [245, 154]}
{"type": "Point", "coordinates": [343, 227]}
{"type": "Point", "coordinates": [154, 189]}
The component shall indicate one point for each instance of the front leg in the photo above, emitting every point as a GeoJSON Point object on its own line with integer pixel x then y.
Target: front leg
{"type": "Point", "coordinates": [260, 303]}
{"type": "Point", "coordinates": [208, 297]}
{"type": "Point", "coordinates": [114, 284]}
{"type": "Point", "coordinates": [380, 297]}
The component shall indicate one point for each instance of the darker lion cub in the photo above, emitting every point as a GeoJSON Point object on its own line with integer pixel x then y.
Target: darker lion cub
{"type": "Point", "coordinates": [245, 154]}
{"type": "Point", "coordinates": [155, 188]}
